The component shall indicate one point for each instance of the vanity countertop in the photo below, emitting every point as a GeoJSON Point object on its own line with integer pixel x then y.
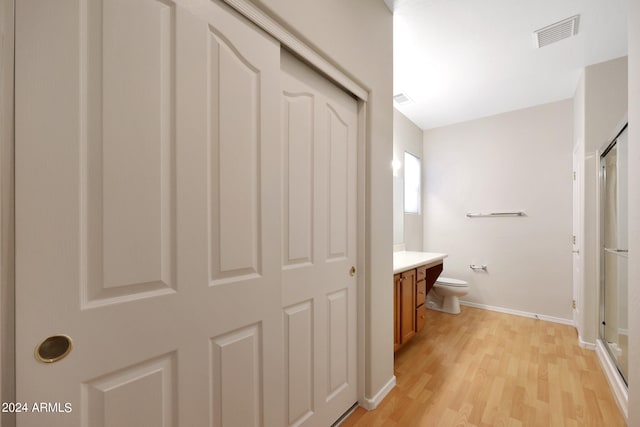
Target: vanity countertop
{"type": "Point", "coordinates": [405, 260]}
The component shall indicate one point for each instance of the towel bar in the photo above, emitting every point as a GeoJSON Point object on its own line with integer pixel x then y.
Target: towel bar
{"type": "Point", "coordinates": [495, 214]}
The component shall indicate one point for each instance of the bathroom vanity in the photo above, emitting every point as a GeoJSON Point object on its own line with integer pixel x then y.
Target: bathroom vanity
{"type": "Point", "coordinates": [414, 276]}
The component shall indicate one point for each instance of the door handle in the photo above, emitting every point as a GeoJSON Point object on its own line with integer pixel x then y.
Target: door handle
{"type": "Point", "coordinates": [53, 348]}
{"type": "Point", "coordinates": [617, 251]}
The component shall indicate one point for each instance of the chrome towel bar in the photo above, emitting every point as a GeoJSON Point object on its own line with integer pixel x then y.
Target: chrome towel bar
{"type": "Point", "coordinates": [621, 252]}
{"type": "Point", "coordinates": [489, 214]}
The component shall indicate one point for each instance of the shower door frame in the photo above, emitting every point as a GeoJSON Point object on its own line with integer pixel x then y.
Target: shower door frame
{"type": "Point", "coordinates": [611, 143]}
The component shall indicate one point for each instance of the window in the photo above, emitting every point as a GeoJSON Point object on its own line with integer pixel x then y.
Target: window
{"type": "Point", "coordinates": [411, 183]}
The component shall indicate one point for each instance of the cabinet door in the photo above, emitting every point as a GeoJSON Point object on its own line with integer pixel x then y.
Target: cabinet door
{"type": "Point", "coordinates": [421, 293]}
{"type": "Point", "coordinates": [396, 311]}
{"type": "Point", "coordinates": [407, 306]}
{"type": "Point", "coordinates": [421, 316]}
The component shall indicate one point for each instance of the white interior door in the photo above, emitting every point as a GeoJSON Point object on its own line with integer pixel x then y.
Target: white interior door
{"type": "Point", "coordinates": [578, 281]}
{"type": "Point", "coordinates": [148, 221]}
{"type": "Point", "coordinates": [319, 123]}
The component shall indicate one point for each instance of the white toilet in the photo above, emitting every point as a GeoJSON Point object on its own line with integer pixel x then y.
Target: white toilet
{"type": "Point", "coordinates": [445, 293]}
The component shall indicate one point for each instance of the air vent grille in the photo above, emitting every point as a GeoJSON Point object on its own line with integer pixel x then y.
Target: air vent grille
{"type": "Point", "coordinates": [556, 32]}
{"type": "Point", "coordinates": [401, 98]}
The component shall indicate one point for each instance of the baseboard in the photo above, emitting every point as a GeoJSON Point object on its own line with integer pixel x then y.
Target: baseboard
{"type": "Point", "coordinates": [372, 403]}
{"type": "Point", "coordinates": [519, 313]}
{"type": "Point", "coordinates": [618, 387]}
{"type": "Point", "coordinates": [586, 345]}
{"type": "Point", "coordinates": [583, 344]}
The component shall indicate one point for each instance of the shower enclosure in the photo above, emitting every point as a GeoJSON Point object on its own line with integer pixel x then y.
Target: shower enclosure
{"type": "Point", "coordinates": [614, 252]}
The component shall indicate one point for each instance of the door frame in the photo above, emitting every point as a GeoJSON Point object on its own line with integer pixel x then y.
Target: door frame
{"type": "Point", "coordinates": [7, 142]}
{"type": "Point", "coordinates": [618, 386]}
{"type": "Point", "coordinates": [7, 253]}
{"type": "Point", "coordinates": [262, 20]}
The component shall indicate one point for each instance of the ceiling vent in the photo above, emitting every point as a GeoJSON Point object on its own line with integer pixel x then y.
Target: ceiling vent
{"type": "Point", "coordinates": [556, 32]}
{"type": "Point", "coordinates": [401, 98]}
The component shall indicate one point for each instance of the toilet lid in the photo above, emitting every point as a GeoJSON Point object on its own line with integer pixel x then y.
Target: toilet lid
{"type": "Point", "coordinates": [450, 282]}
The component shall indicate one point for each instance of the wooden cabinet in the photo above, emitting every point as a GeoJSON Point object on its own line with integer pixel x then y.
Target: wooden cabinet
{"type": "Point", "coordinates": [396, 311]}
{"type": "Point", "coordinates": [410, 293]}
{"type": "Point", "coordinates": [421, 292]}
{"type": "Point", "coordinates": [404, 297]}
{"type": "Point", "coordinates": [407, 297]}
{"type": "Point", "coordinates": [421, 316]}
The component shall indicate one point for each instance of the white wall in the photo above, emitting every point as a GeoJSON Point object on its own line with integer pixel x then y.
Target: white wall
{"type": "Point", "coordinates": [605, 101]}
{"type": "Point", "coordinates": [579, 110]}
{"type": "Point", "coordinates": [406, 137]}
{"type": "Point", "coordinates": [521, 160]}
{"type": "Point", "coordinates": [357, 36]}
{"type": "Point", "coordinates": [634, 212]}
{"type": "Point", "coordinates": [603, 95]}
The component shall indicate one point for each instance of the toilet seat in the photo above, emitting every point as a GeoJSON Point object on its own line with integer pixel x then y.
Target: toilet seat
{"type": "Point", "coordinates": [446, 281]}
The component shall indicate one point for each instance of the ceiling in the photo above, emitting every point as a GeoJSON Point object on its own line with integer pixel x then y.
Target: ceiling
{"type": "Point", "coordinates": [460, 60]}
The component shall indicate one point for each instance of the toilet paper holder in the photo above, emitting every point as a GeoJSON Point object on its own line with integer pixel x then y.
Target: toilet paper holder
{"type": "Point", "coordinates": [474, 267]}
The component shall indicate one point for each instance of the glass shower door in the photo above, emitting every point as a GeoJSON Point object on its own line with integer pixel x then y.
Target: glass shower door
{"type": "Point", "coordinates": [614, 255]}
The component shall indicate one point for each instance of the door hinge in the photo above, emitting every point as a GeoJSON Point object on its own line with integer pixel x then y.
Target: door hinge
{"type": "Point", "coordinates": [574, 239]}
{"type": "Point", "coordinates": [574, 175]}
{"type": "Point", "coordinates": [573, 304]}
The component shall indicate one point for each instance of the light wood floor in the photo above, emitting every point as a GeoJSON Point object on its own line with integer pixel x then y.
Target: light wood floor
{"type": "Point", "coordinates": [487, 369]}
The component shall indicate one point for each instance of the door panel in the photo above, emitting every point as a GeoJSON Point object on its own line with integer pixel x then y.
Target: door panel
{"type": "Point", "coordinates": [237, 371]}
{"type": "Point", "coordinates": [338, 177]}
{"type": "Point", "coordinates": [132, 242]}
{"type": "Point", "coordinates": [338, 342]}
{"type": "Point", "coordinates": [234, 100]}
{"type": "Point", "coordinates": [127, 156]}
{"type": "Point", "coordinates": [578, 160]}
{"type": "Point", "coordinates": [109, 403]}
{"type": "Point", "coordinates": [319, 123]}
{"type": "Point", "coordinates": [615, 252]}
{"type": "Point", "coordinates": [148, 214]}
{"type": "Point", "coordinates": [299, 360]}
{"type": "Point", "coordinates": [298, 179]}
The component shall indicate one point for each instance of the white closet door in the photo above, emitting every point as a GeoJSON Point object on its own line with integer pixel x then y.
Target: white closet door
{"type": "Point", "coordinates": [319, 143]}
{"type": "Point", "coordinates": [148, 221]}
